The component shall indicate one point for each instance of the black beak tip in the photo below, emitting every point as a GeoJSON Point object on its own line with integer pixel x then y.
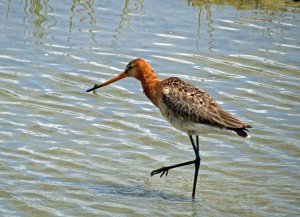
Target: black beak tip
{"type": "Point", "coordinates": [93, 88]}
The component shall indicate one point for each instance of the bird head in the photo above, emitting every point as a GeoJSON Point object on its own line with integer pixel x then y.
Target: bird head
{"type": "Point", "coordinates": [135, 69]}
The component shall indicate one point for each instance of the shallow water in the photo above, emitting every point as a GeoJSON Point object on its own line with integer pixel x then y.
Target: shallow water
{"type": "Point", "coordinates": [65, 152]}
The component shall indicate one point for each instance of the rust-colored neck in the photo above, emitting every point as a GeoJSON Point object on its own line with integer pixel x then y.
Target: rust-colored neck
{"type": "Point", "coordinates": [149, 82]}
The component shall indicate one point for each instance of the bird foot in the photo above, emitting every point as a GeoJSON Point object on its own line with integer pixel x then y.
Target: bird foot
{"type": "Point", "coordinates": [163, 171]}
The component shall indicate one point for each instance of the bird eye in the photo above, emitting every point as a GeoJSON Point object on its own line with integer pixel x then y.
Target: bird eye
{"type": "Point", "coordinates": [129, 67]}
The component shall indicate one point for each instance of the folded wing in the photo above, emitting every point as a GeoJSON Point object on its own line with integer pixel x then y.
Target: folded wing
{"type": "Point", "coordinates": [189, 103]}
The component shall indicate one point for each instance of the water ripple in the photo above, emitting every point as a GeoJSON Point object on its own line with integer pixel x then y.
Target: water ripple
{"type": "Point", "coordinates": [65, 152]}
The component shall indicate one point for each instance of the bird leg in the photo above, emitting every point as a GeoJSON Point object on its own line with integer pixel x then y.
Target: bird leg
{"type": "Point", "coordinates": [197, 162]}
{"type": "Point", "coordinates": [165, 170]}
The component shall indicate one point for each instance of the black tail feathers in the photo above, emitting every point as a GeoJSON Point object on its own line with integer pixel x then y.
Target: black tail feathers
{"type": "Point", "coordinates": [240, 131]}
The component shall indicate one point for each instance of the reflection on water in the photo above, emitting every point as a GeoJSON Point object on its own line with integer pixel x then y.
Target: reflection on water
{"type": "Point", "coordinates": [36, 16]}
{"type": "Point", "coordinates": [259, 21]}
{"type": "Point", "coordinates": [124, 22]}
{"type": "Point", "coordinates": [84, 11]}
{"type": "Point", "coordinates": [272, 6]}
{"type": "Point", "coordinates": [125, 19]}
{"type": "Point", "coordinates": [65, 152]}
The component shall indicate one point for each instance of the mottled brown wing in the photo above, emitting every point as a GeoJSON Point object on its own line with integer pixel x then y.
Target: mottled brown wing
{"type": "Point", "coordinates": [190, 103]}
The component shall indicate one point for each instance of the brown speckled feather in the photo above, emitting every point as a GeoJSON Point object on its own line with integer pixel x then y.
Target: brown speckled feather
{"type": "Point", "coordinates": [185, 102]}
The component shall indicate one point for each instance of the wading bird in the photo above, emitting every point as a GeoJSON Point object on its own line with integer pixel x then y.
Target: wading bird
{"type": "Point", "coordinates": [185, 106]}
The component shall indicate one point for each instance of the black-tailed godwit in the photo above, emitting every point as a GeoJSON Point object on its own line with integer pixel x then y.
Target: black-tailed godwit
{"type": "Point", "coordinates": [185, 106]}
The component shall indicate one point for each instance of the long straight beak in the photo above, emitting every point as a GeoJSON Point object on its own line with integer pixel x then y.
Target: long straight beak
{"type": "Point", "coordinates": [118, 77]}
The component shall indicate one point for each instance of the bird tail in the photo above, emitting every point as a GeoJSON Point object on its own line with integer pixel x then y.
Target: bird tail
{"type": "Point", "coordinates": [240, 131]}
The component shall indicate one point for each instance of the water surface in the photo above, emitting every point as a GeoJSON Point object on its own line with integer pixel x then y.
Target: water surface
{"type": "Point", "coordinates": [65, 152]}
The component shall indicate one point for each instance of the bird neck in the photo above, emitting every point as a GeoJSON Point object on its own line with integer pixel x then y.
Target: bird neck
{"type": "Point", "coordinates": [150, 83]}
